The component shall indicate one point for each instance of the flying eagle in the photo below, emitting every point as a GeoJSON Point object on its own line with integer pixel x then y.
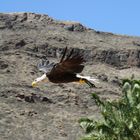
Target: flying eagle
{"type": "Point", "coordinates": [65, 71]}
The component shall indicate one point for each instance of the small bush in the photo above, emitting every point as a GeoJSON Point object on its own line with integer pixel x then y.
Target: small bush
{"type": "Point", "coordinates": [121, 118]}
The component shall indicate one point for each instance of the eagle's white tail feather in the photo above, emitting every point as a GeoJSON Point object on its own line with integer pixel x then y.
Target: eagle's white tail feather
{"type": "Point", "coordinates": [88, 78]}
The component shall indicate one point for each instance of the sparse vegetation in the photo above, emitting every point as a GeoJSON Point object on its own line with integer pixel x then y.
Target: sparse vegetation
{"type": "Point", "coordinates": [121, 118]}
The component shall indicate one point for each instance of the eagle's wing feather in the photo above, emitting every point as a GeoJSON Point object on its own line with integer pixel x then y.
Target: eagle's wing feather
{"type": "Point", "coordinates": [70, 64]}
{"type": "Point", "coordinates": [45, 66]}
{"type": "Point", "coordinates": [64, 53]}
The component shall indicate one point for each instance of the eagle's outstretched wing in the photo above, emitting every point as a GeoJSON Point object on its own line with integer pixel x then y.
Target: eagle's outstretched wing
{"type": "Point", "coordinates": [45, 66]}
{"type": "Point", "coordinates": [72, 63]}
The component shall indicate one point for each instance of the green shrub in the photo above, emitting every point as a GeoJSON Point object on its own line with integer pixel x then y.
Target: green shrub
{"type": "Point", "coordinates": [121, 118]}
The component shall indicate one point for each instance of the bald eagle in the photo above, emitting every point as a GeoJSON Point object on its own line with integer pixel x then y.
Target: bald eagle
{"type": "Point", "coordinates": [65, 71]}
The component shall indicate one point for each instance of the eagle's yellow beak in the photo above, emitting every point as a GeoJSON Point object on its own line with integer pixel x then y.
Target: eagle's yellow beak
{"type": "Point", "coordinates": [34, 84]}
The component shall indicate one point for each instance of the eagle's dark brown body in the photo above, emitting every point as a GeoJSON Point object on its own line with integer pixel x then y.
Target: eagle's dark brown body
{"type": "Point", "coordinates": [63, 78]}
{"type": "Point", "coordinates": [66, 70]}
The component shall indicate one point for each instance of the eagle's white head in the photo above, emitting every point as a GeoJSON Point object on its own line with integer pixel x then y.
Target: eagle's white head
{"type": "Point", "coordinates": [40, 80]}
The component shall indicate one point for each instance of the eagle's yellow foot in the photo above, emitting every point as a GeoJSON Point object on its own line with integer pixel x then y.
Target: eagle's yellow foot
{"type": "Point", "coordinates": [81, 81]}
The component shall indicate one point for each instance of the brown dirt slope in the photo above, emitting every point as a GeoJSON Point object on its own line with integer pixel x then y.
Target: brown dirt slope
{"type": "Point", "coordinates": [51, 112]}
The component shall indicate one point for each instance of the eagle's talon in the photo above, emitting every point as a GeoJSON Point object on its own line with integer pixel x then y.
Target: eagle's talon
{"type": "Point", "coordinates": [81, 81]}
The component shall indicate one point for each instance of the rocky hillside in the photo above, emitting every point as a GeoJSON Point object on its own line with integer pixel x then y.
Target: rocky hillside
{"type": "Point", "coordinates": [51, 112]}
